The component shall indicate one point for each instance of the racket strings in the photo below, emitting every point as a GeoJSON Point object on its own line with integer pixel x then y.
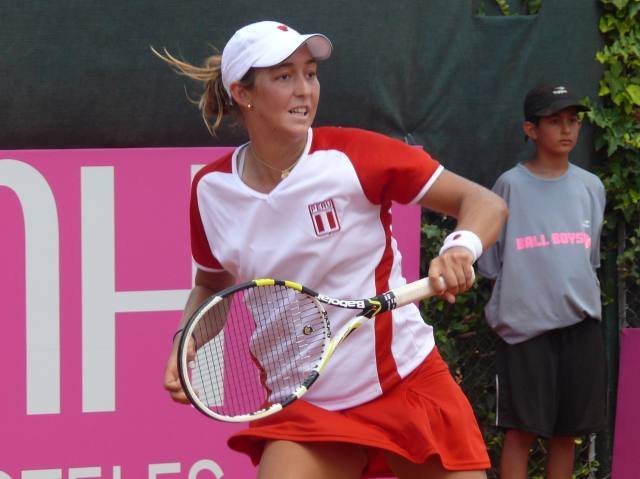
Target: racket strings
{"type": "Point", "coordinates": [284, 350]}
{"type": "Point", "coordinates": [255, 347]}
{"type": "Point", "coordinates": [208, 338]}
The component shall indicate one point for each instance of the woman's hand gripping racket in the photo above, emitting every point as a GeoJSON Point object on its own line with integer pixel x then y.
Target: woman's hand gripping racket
{"type": "Point", "coordinates": [256, 347]}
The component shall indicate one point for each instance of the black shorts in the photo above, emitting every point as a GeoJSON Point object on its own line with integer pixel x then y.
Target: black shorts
{"type": "Point", "coordinates": [554, 384]}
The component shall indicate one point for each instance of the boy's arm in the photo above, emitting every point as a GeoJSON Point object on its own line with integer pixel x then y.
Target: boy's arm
{"type": "Point", "coordinates": [490, 263]}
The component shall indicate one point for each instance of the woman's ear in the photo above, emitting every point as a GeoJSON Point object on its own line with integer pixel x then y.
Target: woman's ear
{"type": "Point", "coordinates": [240, 95]}
{"type": "Point", "coordinates": [530, 130]}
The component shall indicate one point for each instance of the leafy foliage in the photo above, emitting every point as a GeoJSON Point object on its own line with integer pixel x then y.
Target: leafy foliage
{"type": "Point", "coordinates": [617, 128]}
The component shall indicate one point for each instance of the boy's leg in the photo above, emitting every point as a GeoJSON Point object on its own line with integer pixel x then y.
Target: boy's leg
{"type": "Point", "coordinates": [527, 403]}
{"type": "Point", "coordinates": [582, 393]}
{"type": "Point", "coordinates": [514, 459]}
{"type": "Point", "coordinates": [293, 460]}
{"type": "Point", "coordinates": [582, 380]}
{"type": "Point", "coordinates": [560, 457]}
{"type": "Point", "coordinates": [526, 385]}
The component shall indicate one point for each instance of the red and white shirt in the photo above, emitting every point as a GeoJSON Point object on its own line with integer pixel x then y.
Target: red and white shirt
{"type": "Point", "coordinates": [327, 226]}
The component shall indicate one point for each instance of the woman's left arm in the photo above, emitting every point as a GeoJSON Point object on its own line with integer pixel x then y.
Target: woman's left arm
{"type": "Point", "coordinates": [476, 209]}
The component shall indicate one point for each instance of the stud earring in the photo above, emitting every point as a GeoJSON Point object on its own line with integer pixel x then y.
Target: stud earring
{"type": "Point", "coordinates": [249, 106]}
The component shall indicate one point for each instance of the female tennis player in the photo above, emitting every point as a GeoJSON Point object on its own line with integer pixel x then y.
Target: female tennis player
{"type": "Point", "coordinates": [312, 205]}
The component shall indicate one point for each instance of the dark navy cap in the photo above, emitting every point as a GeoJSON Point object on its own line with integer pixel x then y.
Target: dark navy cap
{"type": "Point", "coordinates": [545, 100]}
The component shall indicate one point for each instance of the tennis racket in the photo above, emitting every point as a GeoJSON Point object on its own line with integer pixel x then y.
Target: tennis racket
{"type": "Point", "coordinates": [254, 348]}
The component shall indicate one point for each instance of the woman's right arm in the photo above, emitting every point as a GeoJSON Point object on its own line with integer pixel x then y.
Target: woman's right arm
{"type": "Point", "coordinates": [206, 284]}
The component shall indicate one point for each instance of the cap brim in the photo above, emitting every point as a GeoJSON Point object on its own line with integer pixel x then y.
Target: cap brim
{"type": "Point", "coordinates": [319, 46]}
{"type": "Point", "coordinates": [560, 104]}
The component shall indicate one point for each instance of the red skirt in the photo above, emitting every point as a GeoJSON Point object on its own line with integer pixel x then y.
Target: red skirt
{"type": "Point", "coordinates": [427, 414]}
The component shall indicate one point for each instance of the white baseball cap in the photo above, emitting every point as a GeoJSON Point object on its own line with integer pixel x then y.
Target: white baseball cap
{"type": "Point", "coordinates": [265, 44]}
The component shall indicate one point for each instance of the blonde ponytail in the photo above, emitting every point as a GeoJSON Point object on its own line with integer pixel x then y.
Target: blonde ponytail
{"type": "Point", "coordinates": [214, 102]}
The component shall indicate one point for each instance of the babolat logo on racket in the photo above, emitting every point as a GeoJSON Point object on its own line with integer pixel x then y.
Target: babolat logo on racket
{"type": "Point", "coordinates": [343, 303]}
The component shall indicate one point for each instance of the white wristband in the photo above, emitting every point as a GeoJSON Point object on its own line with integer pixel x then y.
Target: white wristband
{"type": "Point", "coordinates": [466, 239]}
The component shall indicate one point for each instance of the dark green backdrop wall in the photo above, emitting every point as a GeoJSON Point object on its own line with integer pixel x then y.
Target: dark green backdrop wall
{"type": "Point", "coordinates": [79, 73]}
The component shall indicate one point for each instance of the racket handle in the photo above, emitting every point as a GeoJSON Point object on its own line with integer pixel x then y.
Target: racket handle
{"type": "Point", "coordinates": [421, 289]}
{"type": "Point", "coordinates": [412, 292]}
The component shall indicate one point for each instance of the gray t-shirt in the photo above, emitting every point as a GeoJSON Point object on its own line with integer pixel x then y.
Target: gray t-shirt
{"type": "Point", "coordinates": [544, 263]}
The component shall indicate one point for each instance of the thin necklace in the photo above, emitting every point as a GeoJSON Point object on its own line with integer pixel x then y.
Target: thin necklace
{"type": "Point", "coordinates": [283, 173]}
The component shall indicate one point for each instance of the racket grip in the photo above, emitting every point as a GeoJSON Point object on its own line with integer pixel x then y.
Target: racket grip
{"type": "Point", "coordinates": [412, 292]}
{"type": "Point", "coordinates": [421, 289]}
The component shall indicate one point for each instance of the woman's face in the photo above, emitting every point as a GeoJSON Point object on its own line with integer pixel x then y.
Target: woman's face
{"type": "Point", "coordinates": [285, 97]}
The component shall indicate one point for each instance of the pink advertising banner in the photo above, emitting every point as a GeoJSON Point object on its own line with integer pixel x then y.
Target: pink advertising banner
{"type": "Point", "coordinates": [94, 269]}
{"type": "Point", "coordinates": [626, 452]}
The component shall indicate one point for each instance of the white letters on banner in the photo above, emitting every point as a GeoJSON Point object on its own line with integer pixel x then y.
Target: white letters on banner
{"type": "Point", "coordinates": [69, 292]}
{"type": "Point", "coordinates": [100, 301]}
{"type": "Point", "coordinates": [156, 471]}
{"type": "Point", "coordinates": [42, 273]}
